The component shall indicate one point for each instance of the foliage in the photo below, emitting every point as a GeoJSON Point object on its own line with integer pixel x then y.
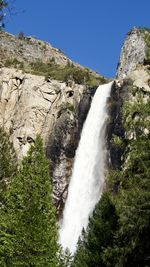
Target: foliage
{"type": "Point", "coordinates": [66, 106]}
{"type": "Point", "coordinates": [147, 41]}
{"type": "Point", "coordinates": [145, 32]}
{"type": "Point", "coordinates": [126, 242]}
{"type": "Point", "coordinates": [8, 163]}
{"type": "Point", "coordinates": [133, 200]}
{"type": "Point", "coordinates": [64, 258]}
{"type": "Point", "coordinates": [117, 141]}
{"type": "Point", "coordinates": [21, 36]}
{"type": "Point", "coordinates": [101, 229]}
{"type": "Point", "coordinates": [14, 63]}
{"type": "Point", "coordinates": [51, 70]}
{"type": "Point", "coordinates": [28, 231]}
{"type": "Point", "coordinates": [3, 5]}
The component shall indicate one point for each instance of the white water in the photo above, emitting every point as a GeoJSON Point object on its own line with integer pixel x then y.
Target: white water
{"type": "Point", "coordinates": [87, 179]}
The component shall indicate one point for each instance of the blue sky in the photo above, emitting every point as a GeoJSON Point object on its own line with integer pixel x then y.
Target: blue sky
{"type": "Point", "coordinates": [89, 32]}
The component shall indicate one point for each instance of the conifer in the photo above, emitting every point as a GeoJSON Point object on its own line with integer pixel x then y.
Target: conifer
{"type": "Point", "coordinates": [28, 234]}
{"type": "Point", "coordinates": [8, 163]}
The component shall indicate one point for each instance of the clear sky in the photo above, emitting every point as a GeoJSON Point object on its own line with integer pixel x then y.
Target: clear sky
{"type": "Point", "coordinates": [89, 32]}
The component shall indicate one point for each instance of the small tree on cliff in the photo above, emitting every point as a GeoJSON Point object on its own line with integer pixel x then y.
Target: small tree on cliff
{"type": "Point", "coordinates": [28, 231]}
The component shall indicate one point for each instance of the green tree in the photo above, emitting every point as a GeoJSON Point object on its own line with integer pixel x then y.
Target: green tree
{"type": "Point", "coordinates": [28, 234]}
{"type": "Point", "coordinates": [64, 257]}
{"type": "Point", "coordinates": [3, 5]}
{"type": "Point", "coordinates": [8, 163]}
{"type": "Point", "coordinates": [132, 244]}
{"type": "Point", "coordinates": [99, 235]}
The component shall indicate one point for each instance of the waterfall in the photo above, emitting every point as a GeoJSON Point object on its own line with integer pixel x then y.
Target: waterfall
{"type": "Point", "coordinates": [86, 184]}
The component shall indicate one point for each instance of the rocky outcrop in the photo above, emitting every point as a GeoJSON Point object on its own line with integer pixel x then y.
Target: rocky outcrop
{"type": "Point", "coordinates": [133, 76]}
{"type": "Point", "coordinates": [29, 49]}
{"type": "Point", "coordinates": [114, 125]}
{"type": "Point", "coordinates": [141, 78]}
{"type": "Point", "coordinates": [133, 52]}
{"type": "Point", "coordinates": [133, 89]}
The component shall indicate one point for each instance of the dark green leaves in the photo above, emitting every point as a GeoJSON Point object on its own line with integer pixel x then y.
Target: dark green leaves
{"type": "Point", "coordinates": [28, 235]}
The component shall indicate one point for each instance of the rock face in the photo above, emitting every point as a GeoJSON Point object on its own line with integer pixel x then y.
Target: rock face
{"type": "Point", "coordinates": [29, 106]}
{"type": "Point", "coordinates": [133, 78]}
{"type": "Point", "coordinates": [132, 89]}
{"type": "Point", "coordinates": [29, 49]}
{"type": "Point", "coordinates": [63, 143]}
{"type": "Point", "coordinates": [133, 52]}
{"type": "Point", "coordinates": [141, 78]}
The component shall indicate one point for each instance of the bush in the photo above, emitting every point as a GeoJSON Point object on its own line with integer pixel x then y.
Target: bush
{"type": "Point", "coordinates": [21, 36]}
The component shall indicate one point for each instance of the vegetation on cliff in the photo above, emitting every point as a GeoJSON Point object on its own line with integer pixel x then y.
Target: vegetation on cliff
{"type": "Point", "coordinates": [118, 231]}
{"type": "Point", "coordinates": [51, 70]}
{"type": "Point", "coordinates": [146, 35]}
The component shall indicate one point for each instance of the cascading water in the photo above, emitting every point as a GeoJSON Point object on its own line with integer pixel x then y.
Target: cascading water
{"type": "Point", "coordinates": [87, 179]}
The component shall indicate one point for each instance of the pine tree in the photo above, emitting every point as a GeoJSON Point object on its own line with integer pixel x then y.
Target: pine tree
{"type": "Point", "coordinates": [64, 257]}
{"type": "Point", "coordinates": [8, 163]}
{"type": "Point", "coordinates": [99, 235]}
{"type": "Point", "coordinates": [28, 234]}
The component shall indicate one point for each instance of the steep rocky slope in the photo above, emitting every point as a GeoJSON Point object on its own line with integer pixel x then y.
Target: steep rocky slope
{"type": "Point", "coordinates": [133, 75]}
{"type": "Point", "coordinates": [135, 51]}
{"type": "Point", "coordinates": [28, 49]}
